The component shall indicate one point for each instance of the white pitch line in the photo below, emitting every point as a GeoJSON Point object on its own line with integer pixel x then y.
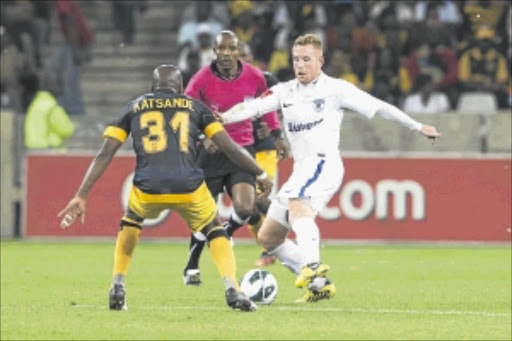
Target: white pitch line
{"type": "Point", "coordinates": [346, 310]}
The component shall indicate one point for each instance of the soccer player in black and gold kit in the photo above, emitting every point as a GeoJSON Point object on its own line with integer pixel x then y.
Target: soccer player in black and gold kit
{"type": "Point", "coordinates": [164, 125]}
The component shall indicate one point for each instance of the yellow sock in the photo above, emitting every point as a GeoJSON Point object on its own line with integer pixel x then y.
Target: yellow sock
{"type": "Point", "coordinates": [224, 258]}
{"type": "Point", "coordinates": [126, 241]}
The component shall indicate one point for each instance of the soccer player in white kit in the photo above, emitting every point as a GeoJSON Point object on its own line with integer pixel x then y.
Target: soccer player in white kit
{"type": "Point", "coordinates": [312, 106]}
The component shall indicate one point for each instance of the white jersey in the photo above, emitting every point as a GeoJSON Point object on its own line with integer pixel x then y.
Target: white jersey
{"type": "Point", "coordinates": [313, 113]}
{"type": "Point", "coordinates": [312, 117]}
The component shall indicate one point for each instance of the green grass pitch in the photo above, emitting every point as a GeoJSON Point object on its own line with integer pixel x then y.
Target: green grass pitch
{"type": "Point", "coordinates": [59, 290]}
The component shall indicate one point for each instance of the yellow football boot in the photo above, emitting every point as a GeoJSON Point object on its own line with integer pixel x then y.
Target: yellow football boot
{"type": "Point", "coordinates": [307, 273]}
{"type": "Point", "coordinates": [326, 293]}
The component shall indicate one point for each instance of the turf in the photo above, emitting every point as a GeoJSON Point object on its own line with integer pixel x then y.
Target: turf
{"type": "Point", "coordinates": [52, 291]}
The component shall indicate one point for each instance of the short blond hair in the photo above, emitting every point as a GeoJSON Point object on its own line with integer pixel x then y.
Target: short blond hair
{"type": "Point", "coordinates": [309, 39]}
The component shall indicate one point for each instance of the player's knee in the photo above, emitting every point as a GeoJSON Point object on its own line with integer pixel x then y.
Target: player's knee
{"type": "Point", "coordinates": [243, 210]}
{"type": "Point", "coordinates": [130, 219]}
{"type": "Point", "coordinates": [213, 232]}
{"type": "Point", "coordinates": [267, 240]}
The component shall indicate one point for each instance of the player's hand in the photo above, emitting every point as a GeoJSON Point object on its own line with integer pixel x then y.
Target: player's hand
{"type": "Point", "coordinates": [430, 132]}
{"type": "Point", "coordinates": [263, 131]}
{"type": "Point", "coordinates": [210, 146]}
{"type": "Point", "coordinates": [265, 186]}
{"type": "Point", "coordinates": [282, 149]}
{"type": "Point", "coordinates": [74, 209]}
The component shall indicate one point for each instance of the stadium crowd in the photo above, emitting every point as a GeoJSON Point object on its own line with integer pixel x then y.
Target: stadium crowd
{"type": "Point", "coordinates": [399, 51]}
{"type": "Point", "coordinates": [420, 55]}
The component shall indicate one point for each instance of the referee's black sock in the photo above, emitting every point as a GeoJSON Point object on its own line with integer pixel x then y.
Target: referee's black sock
{"type": "Point", "coordinates": [231, 226]}
{"type": "Point", "coordinates": [234, 223]}
{"type": "Point", "coordinates": [195, 249]}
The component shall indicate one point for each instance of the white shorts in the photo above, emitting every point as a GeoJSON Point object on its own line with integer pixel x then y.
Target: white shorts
{"type": "Point", "coordinates": [314, 180]}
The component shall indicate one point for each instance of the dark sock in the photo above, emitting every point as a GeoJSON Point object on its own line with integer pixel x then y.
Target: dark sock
{"type": "Point", "coordinates": [231, 227]}
{"type": "Point", "coordinates": [255, 218]}
{"type": "Point", "coordinates": [195, 248]}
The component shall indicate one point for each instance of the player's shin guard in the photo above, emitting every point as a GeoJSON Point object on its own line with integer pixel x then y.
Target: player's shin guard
{"type": "Point", "coordinates": [127, 239]}
{"type": "Point", "coordinates": [223, 256]}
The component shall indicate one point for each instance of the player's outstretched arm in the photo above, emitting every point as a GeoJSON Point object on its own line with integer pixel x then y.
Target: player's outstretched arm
{"type": "Point", "coordinates": [241, 157]}
{"type": "Point", "coordinates": [360, 101]}
{"type": "Point", "coordinates": [269, 101]}
{"type": "Point", "coordinates": [77, 206]}
{"type": "Point", "coordinates": [391, 112]}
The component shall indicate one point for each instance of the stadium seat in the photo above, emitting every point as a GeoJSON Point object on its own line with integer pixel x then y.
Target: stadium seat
{"type": "Point", "coordinates": [477, 103]}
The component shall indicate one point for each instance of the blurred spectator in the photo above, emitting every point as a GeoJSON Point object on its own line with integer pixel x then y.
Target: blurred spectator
{"type": "Point", "coordinates": [67, 61]}
{"type": "Point", "coordinates": [402, 10]}
{"type": "Point", "coordinates": [363, 41]}
{"type": "Point", "coordinates": [12, 68]}
{"type": "Point", "coordinates": [339, 66]}
{"type": "Point", "coordinates": [438, 60]}
{"type": "Point", "coordinates": [193, 65]}
{"type": "Point", "coordinates": [483, 68]}
{"type": "Point", "coordinates": [314, 22]}
{"type": "Point", "coordinates": [477, 12]}
{"type": "Point", "coordinates": [123, 17]}
{"type": "Point", "coordinates": [292, 18]}
{"type": "Point", "coordinates": [340, 35]}
{"type": "Point", "coordinates": [383, 91]}
{"type": "Point", "coordinates": [432, 28]}
{"type": "Point", "coordinates": [390, 34]}
{"type": "Point", "coordinates": [203, 14]}
{"type": "Point", "coordinates": [281, 58]}
{"type": "Point", "coordinates": [19, 19]}
{"type": "Point", "coordinates": [244, 25]}
{"type": "Point", "coordinates": [447, 11]}
{"type": "Point", "coordinates": [47, 124]}
{"type": "Point", "coordinates": [426, 100]}
{"type": "Point", "coordinates": [262, 42]}
{"type": "Point", "coordinates": [43, 15]}
{"type": "Point", "coordinates": [385, 64]}
{"type": "Point", "coordinates": [204, 49]}
{"type": "Point", "coordinates": [361, 66]}
{"type": "Point", "coordinates": [217, 11]}
{"type": "Point", "coordinates": [242, 19]}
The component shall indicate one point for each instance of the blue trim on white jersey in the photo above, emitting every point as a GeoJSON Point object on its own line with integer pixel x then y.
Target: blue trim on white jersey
{"type": "Point", "coordinates": [313, 179]}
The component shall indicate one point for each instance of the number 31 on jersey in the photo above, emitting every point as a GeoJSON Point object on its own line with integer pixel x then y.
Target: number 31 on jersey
{"type": "Point", "coordinates": [156, 140]}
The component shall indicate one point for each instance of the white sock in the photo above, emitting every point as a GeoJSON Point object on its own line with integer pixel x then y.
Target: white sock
{"type": "Point", "coordinates": [290, 255]}
{"type": "Point", "coordinates": [308, 239]}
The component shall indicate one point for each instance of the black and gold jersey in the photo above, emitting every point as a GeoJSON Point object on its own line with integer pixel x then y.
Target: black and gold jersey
{"type": "Point", "coordinates": [164, 127]}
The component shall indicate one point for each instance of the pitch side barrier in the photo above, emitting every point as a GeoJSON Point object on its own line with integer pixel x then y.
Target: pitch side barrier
{"type": "Point", "coordinates": [385, 197]}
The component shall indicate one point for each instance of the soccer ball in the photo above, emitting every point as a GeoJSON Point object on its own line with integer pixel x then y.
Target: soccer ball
{"type": "Point", "coordinates": [259, 285]}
